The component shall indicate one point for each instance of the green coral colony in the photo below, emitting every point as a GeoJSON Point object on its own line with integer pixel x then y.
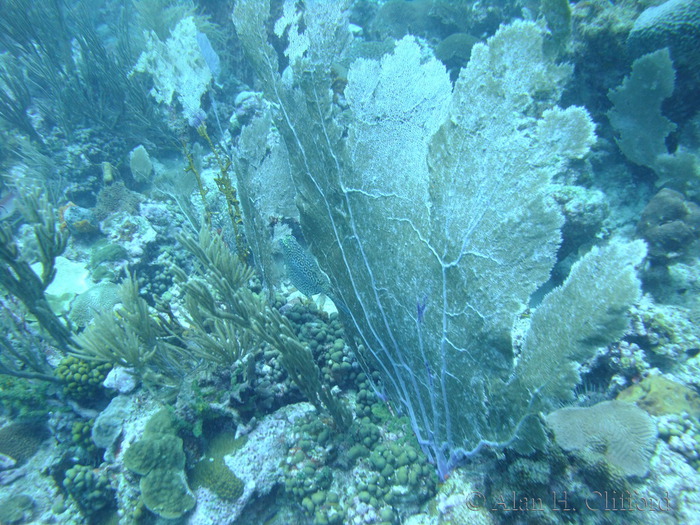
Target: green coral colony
{"type": "Point", "coordinates": [418, 262]}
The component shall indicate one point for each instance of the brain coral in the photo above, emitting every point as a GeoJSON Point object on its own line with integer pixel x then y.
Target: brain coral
{"type": "Point", "coordinates": [674, 24]}
{"type": "Point", "coordinates": [21, 441]}
{"type": "Point", "coordinates": [97, 299]}
{"type": "Point", "coordinates": [624, 432]}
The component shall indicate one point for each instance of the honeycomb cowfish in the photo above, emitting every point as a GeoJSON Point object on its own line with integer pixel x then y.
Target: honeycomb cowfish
{"type": "Point", "coordinates": [304, 273]}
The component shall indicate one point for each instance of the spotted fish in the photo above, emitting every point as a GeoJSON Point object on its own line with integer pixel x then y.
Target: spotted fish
{"type": "Point", "coordinates": [303, 271]}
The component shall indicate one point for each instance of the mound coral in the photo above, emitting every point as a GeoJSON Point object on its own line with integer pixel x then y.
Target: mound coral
{"type": "Point", "coordinates": [159, 458]}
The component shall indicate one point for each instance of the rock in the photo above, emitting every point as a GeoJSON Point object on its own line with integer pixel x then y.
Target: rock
{"type": "Point", "coordinates": [121, 380]}
{"type": "Point", "coordinates": [659, 395]}
{"type": "Point", "coordinates": [6, 462]}
{"type": "Point", "coordinates": [80, 221]}
{"type": "Point", "coordinates": [108, 425]}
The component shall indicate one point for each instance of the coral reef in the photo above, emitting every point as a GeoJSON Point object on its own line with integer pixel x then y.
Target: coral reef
{"type": "Point", "coordinates": [420, 196]}
{"type": "Point", "coordinates": [474, 186]}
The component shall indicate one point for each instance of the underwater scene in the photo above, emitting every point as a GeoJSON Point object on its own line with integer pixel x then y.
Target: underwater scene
{"type": "Point", "coordinates": [417, 262]}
